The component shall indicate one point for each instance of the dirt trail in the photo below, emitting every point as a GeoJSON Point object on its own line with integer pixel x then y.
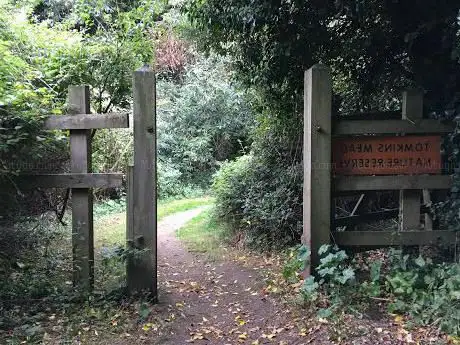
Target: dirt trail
{"type": "Point", "coordinates": [212, 302]}
{"type": "Point", "coordinates": [222, 302]}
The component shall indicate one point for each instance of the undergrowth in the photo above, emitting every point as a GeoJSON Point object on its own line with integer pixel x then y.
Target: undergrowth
{"type": "Point", "coordinates": [38, 302]}
{"type": "Point", "coordinates": [427, 292]}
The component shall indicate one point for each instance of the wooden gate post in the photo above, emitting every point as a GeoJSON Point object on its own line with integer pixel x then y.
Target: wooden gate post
{"type": "Point", "coordinates": [409, 199]}
{"type": "Point", "coordinates": [317, 161]}
{"type": "Point", "coordinates": [142, 273]}
{"type": "Point", "coordinates": [82, 198]}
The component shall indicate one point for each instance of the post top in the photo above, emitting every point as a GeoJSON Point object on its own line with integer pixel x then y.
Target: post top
{"type": "Point", "coordinates": [145, 68]}
{"type": "Point", "coordinates": [320, 66]}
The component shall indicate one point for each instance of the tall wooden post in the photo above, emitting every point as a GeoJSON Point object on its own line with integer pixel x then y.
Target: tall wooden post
{"type": "Point", "coordinates": [412, 110]}
{"type": "Point", "coordinates": [142, 274]}
{"type": "Point", "coordinates": [82, 198]}
{"type": "Point", "coordinates": [317, 160]}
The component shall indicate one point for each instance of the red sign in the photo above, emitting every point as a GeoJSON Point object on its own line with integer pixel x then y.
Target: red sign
{"type": "Point", "coordinates": [405, 155]}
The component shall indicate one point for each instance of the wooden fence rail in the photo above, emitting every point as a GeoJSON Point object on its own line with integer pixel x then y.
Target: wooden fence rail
{"type": "Point", "coordinates": [141, 203]}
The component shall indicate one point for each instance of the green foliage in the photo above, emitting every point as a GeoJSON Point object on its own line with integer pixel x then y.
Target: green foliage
{"type": "Point", "coordinates": [28, 263]}
{"type": "Point", "coordinates": [372, 287]}
{"type": "Point", "coordinates": [262, 200]}
{"type": "Point", "coordinates": [374, 50]}
{"type": "Point", "coordinates": [429, 292]}
{"type": "Point", "coordinates": [108, 207]}
{"type": "Point", "coordinates": [204, 234]}
{"type": "Point", "coordinates": [22, 103]}
{"type": "Point", "coordinates": [298, 258]}
{"type": "Point", "coordinates": [36, 275]}
{"type": "Point", "coordinates": [201, 120]}
{"type": "Point", "coordinates": [334, 276]}
{"type": "Point", "coordinates": [373, 46]}
{"type": "Point", "coordinates": [230, 185]}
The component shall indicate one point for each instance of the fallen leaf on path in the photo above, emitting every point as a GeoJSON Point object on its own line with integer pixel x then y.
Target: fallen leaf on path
{"type": "Point", "coordinates": [242, 337]}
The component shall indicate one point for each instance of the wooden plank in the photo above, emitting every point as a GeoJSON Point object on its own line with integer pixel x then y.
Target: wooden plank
{"type": "Point", "coordinates": [71, 180]}
{"type": "Point", "coordinates": [397, 182]}
{"type": "Point", "coordinates": [409, 209]}
{"type": "Point", "coordinates": [317, 159]}
{"type": "Point", "coordinates": [360, 127]}
{"type": "Point", "coordinates": [87, 121]}
{"type": "Point", "coordinates": [393, 238]}
{"type": "Point", "coordinates": [409, 200]}
{"type": "Point", "coordinates": [143, 275]}
{"type": "Point", "coordinates": [370, 116]}
{"type": "Point", "coordinates": [383, 155]}
{"type": "Point", "coordinates": [82, 198]}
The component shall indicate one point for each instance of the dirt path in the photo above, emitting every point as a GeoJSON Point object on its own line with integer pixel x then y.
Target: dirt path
{"type": "Point", "coordinates": [222, 302]}
{"type": "Point", "coordinates": [212, 302]}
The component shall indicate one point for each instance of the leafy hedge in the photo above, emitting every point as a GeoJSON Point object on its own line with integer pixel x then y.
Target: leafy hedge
{"type": "Point", "coordinates": [264, 202]}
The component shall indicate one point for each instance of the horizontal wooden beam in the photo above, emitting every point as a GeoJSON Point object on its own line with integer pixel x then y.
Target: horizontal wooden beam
{"type": "Point", "coordinates": [87, 121]}
{"type": "Point", "coordinates": [393, 238]}
{"type": "Point", "coordinates": [370, 116]}
{"type": "Point", "coordinates": [72, 180]}
{"type": "Point", "coordinates": [360, 127]}
{"type": "Point", "coordinates": [397, 182]}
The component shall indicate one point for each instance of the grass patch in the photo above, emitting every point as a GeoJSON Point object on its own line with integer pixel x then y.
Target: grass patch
{"type": "Point", "coordinates": [204, 234]}
{"type": "Point", "coordinates": [110, 229]}
{"type": "Point", "coordinates": [166, 208]}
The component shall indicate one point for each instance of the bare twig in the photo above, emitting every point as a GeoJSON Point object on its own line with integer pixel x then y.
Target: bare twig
{"type": "Point", "coordinates": [54, 207]}
{"type": "Point", "coordinates": [61, 213]}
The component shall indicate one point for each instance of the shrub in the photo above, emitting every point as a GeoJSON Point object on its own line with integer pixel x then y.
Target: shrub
{"type": "Point", "coordinates": [201, 121]}
{"type": "Point", "coordinates": [265, 203]}
{"type": "Point", "coordinates": [230, 186]}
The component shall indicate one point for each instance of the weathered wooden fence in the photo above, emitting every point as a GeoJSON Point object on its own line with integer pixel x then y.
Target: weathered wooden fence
{"type": "Point", "coordinates": [141, 210]}
{"type": "Point", "coordinates": [369, 152]}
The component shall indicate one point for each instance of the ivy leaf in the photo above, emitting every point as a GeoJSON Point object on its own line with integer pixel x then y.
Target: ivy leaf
{"type": "Point", "coordinates": [376, 267]}
{"type": "Point", "coordinates": [310, 285]}
{"type": "Point", "coordinates": [324, 249]}
{"type": "Point", "coordinates": [348, 274]}
{"type": "Point", "coordinates": [324, 313]}
{"type": "Point", "coordinates": [420, 261]}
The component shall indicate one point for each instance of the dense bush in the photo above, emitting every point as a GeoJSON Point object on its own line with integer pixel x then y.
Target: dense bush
{"type": "Point", "coordinates": [230, 186]}
{"type": "Point", "coordinates": [201, 120]}
{"type": "Point", "coordinates": [265, 203]}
